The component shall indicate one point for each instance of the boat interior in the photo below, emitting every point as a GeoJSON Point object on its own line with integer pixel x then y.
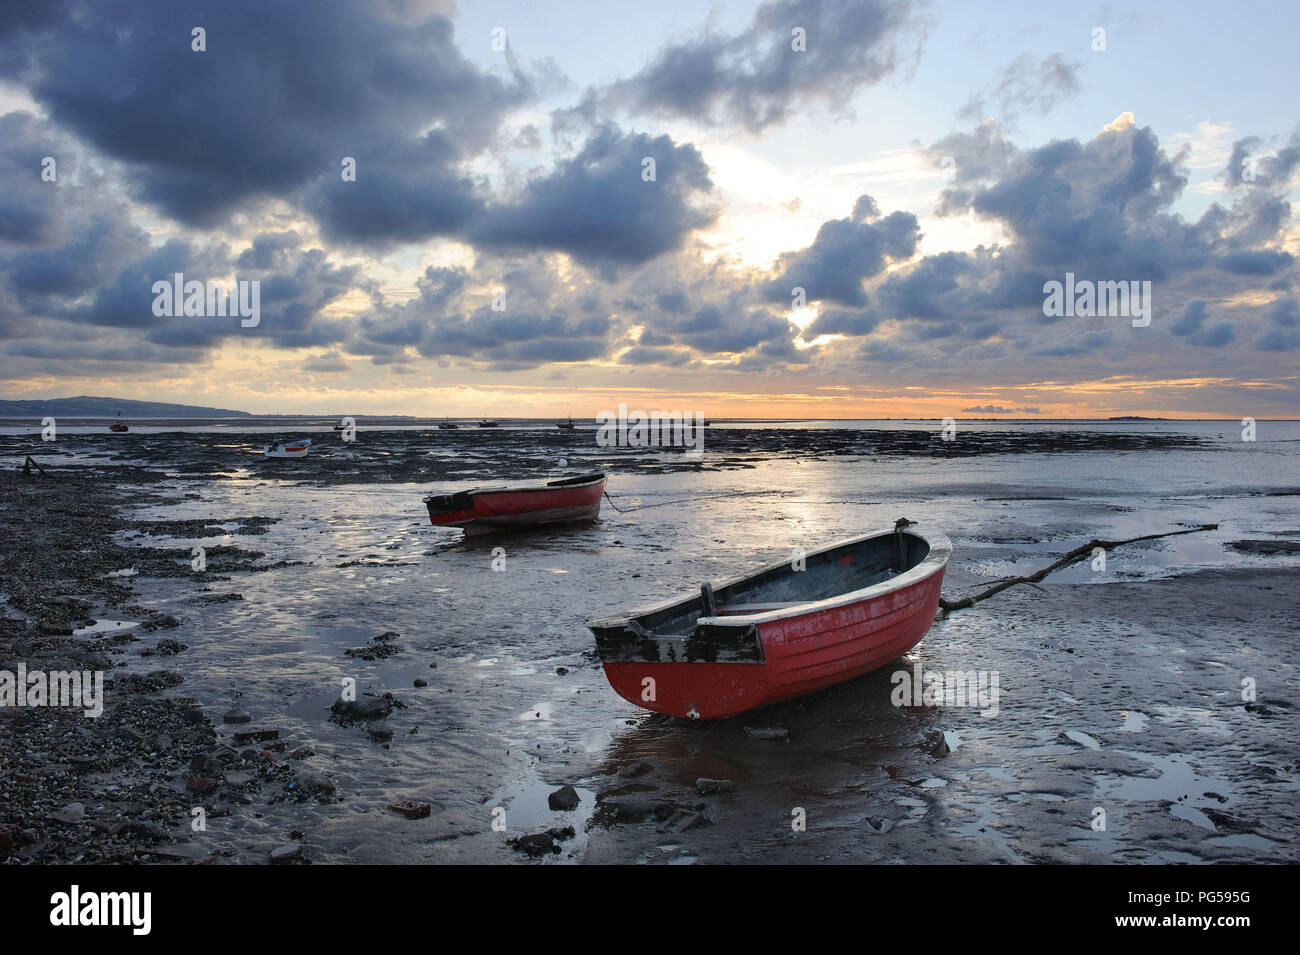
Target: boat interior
{"type": "Point", "coordinates": [826, 574]}
{"type": "Point", "coordinates": [580, 479]}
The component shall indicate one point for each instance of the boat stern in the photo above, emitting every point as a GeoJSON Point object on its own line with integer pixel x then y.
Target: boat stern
{"type": "Point", "coordinates": [715, 672]}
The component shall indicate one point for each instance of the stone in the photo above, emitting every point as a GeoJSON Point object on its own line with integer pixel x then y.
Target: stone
{"type": "Point", "coordinates": [534, 846]}
{"type": "Point", "coordinates": [365, 710]}
{"type": "Point", "coordinates": [201, 784]}
{"type": "Point", "coordinates": [255, 736]}
{"type": "Point", "coordinates": [564, 799]}
{"type": "Point", "coordinates": [411, 809]}
{"type": "Point", "coordinates": [204, 765]}
{"type": "Point", "coordinates": [73, 814]}
{"type": "Point", "coordinates": [286, 854]}
{"type": "Point", "coordinates": [309, 785]}
{"type": "Point", "coordinates": [704, 786]}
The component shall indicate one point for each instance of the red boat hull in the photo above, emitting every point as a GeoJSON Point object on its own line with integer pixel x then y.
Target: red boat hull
{"type": "Point", "coordinates": [495, 510]}
{"type": "Point", "coordinates": [803, 654]}
{"type": "Point", "coordinates": [780, 632]}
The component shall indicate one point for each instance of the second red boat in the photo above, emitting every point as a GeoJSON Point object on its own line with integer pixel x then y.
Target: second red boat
{"type": "Point", "coordinates": [487, 510]}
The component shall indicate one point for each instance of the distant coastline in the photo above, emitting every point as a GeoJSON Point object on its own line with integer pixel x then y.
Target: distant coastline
{"type": "Point", "coordinates": [87, 406]}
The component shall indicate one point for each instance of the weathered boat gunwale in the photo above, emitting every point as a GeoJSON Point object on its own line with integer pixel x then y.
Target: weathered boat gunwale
{"type": "Point", "coordinates": [940, 549]}
{"type": "Point", "coordinates": [581, 480]}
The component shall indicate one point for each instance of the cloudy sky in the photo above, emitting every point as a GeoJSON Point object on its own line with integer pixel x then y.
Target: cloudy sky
{"type": "Point", "coordinates": [919, 170]}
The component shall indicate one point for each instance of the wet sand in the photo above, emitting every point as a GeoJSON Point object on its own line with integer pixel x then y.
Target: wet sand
{"type": "Point", "coordinates": [1120, 692]}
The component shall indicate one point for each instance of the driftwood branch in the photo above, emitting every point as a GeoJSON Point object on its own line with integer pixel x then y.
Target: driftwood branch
{"type": "Point", "coordinates": [1073, 557]}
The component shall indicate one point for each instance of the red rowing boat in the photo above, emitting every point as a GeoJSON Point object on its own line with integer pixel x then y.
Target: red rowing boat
{"type": "Point", "coordinates": [789, 629]}
{"type": "Point", "coordinates": [487, 510]}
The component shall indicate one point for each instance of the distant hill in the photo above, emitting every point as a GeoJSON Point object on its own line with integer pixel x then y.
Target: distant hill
{"type": "Point", "coordinates": [86, 406]}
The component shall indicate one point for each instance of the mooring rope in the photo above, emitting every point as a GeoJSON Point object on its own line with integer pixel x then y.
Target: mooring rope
{"type": "Point", "coordinates": [691, 500]}
{"type": "Point", "coordinates": [947, 606]}
{"type": "Point", "coordinates": [1081, 552]}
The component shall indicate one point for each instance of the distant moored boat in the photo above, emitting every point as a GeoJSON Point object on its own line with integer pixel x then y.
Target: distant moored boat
{"type": "Point", "coordinates": [486, 510]}
{"type": "Point", "coordinates": [566, 425]}
{"type": "Point", "coordinates": [118, 425]}
{"type": "Point", "coordinates": [288, 449]}
{"type": "Point", "coordinates": [485, 423]}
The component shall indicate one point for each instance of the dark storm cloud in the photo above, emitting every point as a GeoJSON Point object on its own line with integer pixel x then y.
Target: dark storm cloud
{"type": "Point", "coordinates": [29, 15]}
{"type": "Point", "coordinates": [1257, 262]}
{"type": "Point", "coordinates": [402, 193]}
{"type": "Point", "coordinates": [29, 205]}
{"type": "Point", "coordinates": [281, 95]}
{"type": "Point", "coordinates": [598, 208]}
{"type": "Point", "coordinates": [1102, 203]}
{"type": "Point", "coordinates": [61, 238]}
{"type": "Point", "coordinates": [642, 355]}
{"type": "Point", "coordinates": [843, 321]}
{"type": "Point", "coordinates": [539, 317]}
{"type": "Point", "coordinates": [1102, 209]}
{"type": "Point", "coordinates": [711, 332]}
{"type": "Point", "coordinates": [1076, 343]}
{"type": "Point", "coordinates": [847, 251]}
{"type": "Point", "coordinates": [278, 101]}
{"type": "Point", "coordinates": [295, 285]}
{"type": "Point", "coordinates": [1195, 326]}
{"type": "Point", "coordinates": [493, 334]}
{"type": "Point", "coordinates": [1283, 333]}
{"type": "Point", "coordinates": [1247, 167]}
{"type": "Point", "coordinates": [755, 78]}
{"type": "Point", "coordinates": [328, 363]}
{"type": "Point", "coordinates": [127, 300]}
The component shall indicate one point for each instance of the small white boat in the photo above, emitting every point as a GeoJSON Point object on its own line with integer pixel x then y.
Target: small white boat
{"type": "Point", "coordinates": [289, 449]}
